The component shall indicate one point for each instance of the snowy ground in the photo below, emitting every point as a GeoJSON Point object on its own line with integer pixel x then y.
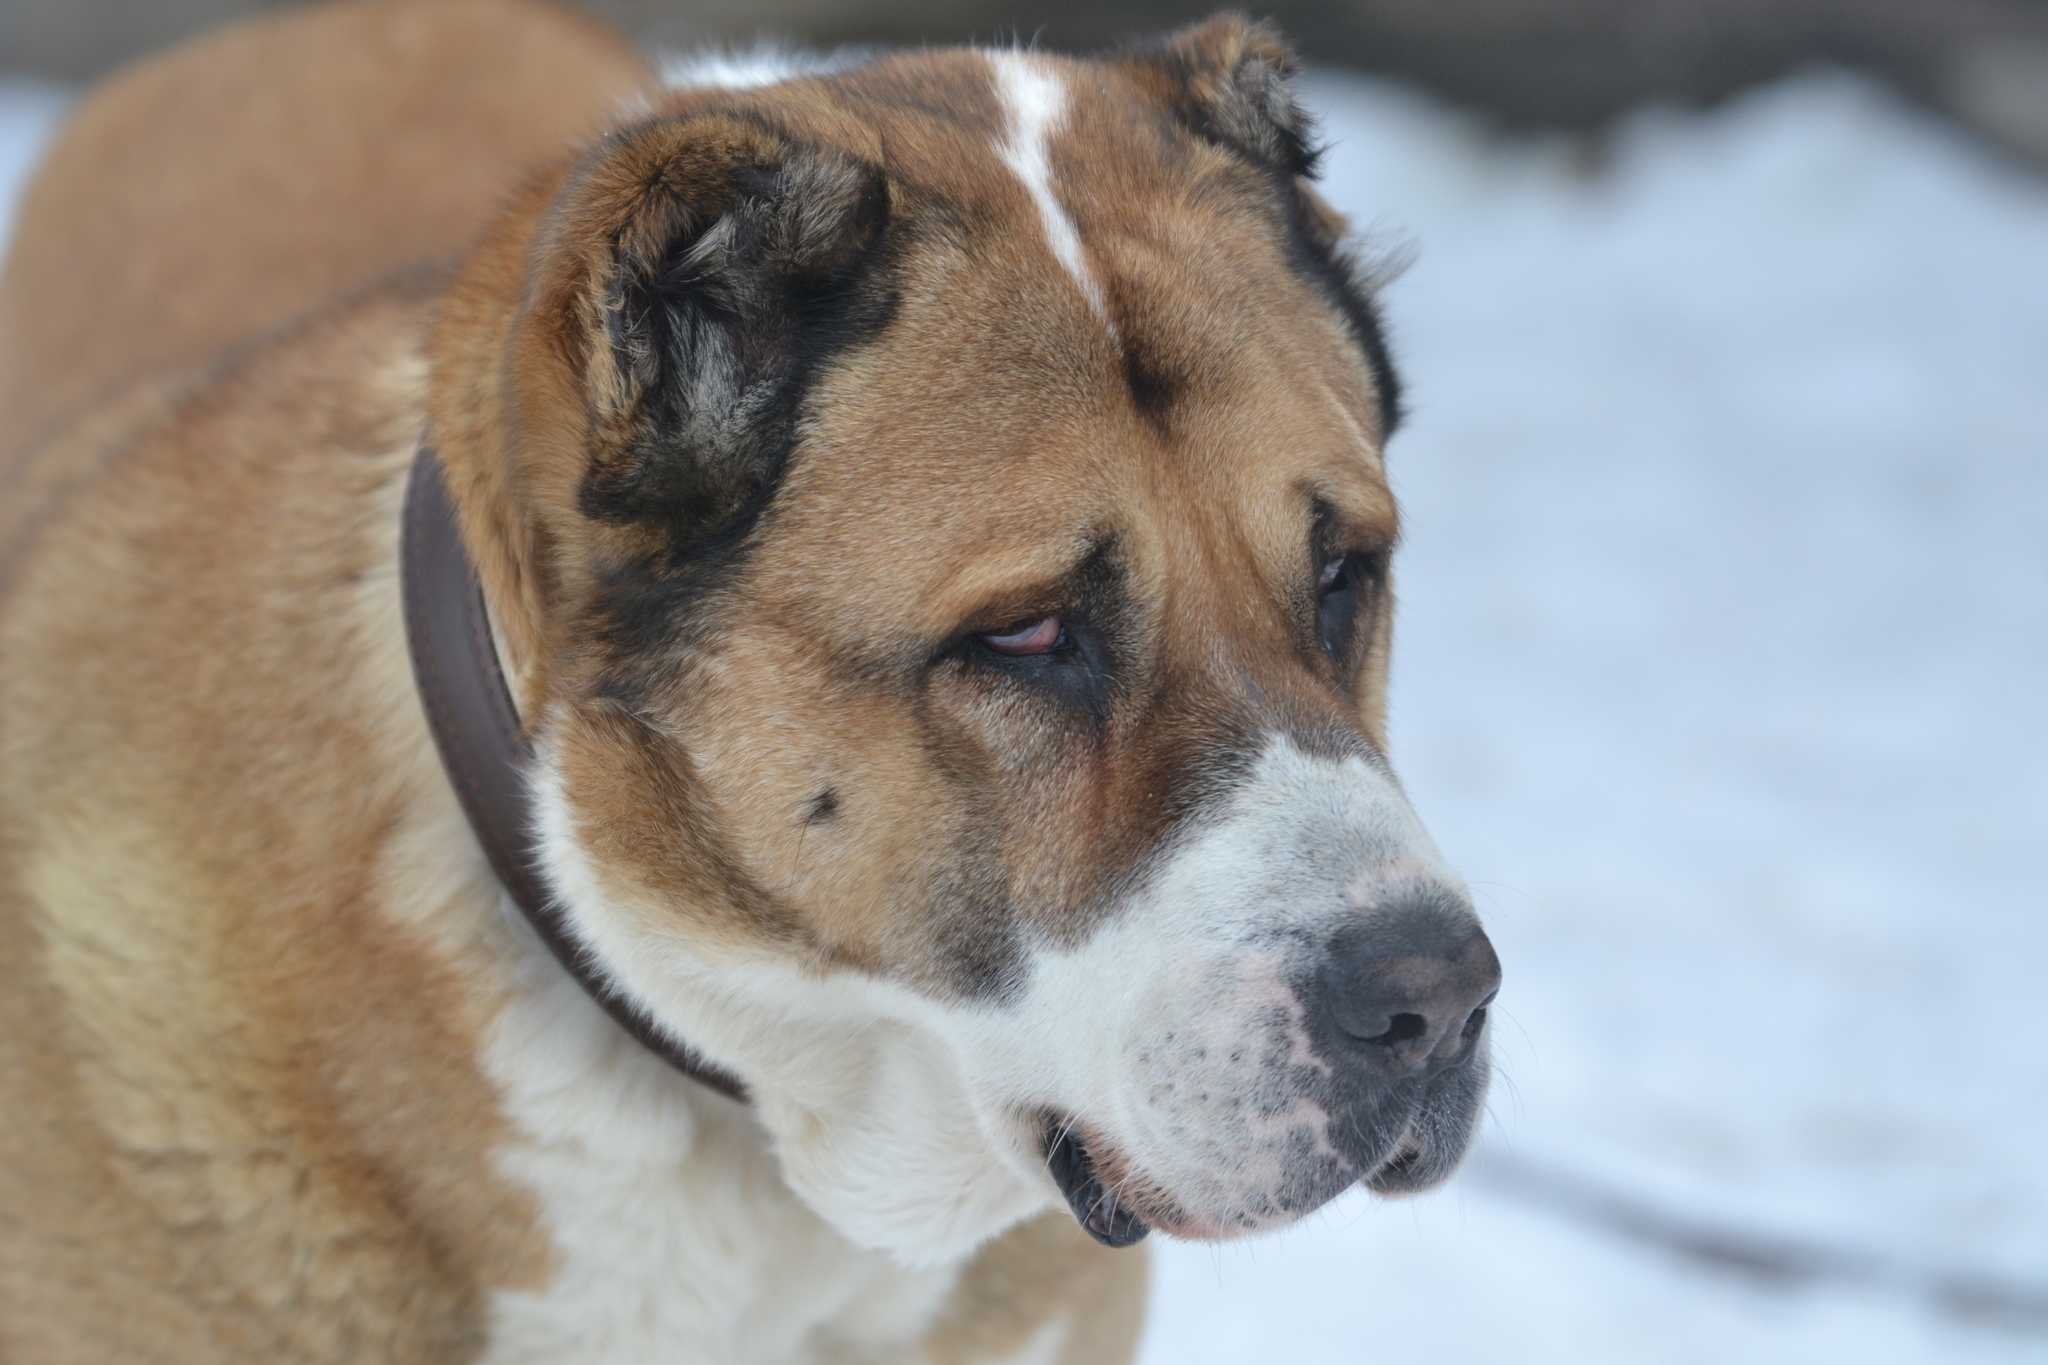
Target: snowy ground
{"type": "Point", "coordinates": [1723, 655]}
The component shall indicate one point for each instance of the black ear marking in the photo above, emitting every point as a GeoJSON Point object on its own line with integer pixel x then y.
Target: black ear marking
{"type": "Point", "coordinates": [732, 271]}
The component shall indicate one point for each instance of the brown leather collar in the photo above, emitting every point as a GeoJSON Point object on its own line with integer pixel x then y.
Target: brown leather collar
{"type": "Point", "coordinates": [476, 728]}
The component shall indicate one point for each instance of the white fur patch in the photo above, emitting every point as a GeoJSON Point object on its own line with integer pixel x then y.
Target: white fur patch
{"type": "Point", "coordinates": [1183, 1003]}
{"type": "Point", "coordinates": [673, 1233]}
{"type": "Point", "coordinates": [1034, 103]}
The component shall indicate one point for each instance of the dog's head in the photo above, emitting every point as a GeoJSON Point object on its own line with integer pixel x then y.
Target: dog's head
{"type": "Point", "coordinates": [936, 516]}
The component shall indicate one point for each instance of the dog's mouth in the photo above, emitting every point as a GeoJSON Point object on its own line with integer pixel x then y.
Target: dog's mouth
{"type": "Point", "coordinates": [1094, 1203]}
{"type": "Point", "coordinates": [1401, 1166]}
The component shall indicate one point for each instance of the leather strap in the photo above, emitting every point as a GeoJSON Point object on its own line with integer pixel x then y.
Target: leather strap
{"type": "Point", "coordinates": [476, 728]}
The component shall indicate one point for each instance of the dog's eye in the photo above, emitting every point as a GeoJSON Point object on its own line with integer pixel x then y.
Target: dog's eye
{"type": "Point", "coordinates": [1032, 637]}
{"type": "Point", "coordinates": [1337, 601]}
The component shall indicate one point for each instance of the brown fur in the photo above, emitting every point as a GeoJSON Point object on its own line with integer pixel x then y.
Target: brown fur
{"type": "Point", "coordinates": [247, 949]}
{"type": "Point", "coordinates": [210, 192]}
{"type": "Point", "coordinates": [322, 1113]}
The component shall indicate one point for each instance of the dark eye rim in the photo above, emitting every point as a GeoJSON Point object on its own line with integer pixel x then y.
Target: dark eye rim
{"type": "Point", "coordinates": [1339, 572]}
{"type": "Point", "coordinates": [1348, 582]}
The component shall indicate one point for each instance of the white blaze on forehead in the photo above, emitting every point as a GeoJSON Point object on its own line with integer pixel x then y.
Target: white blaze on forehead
{"type": "Point", "coordinates": [1034, 102]}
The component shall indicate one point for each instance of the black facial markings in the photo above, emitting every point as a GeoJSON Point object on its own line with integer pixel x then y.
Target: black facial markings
{"type": "Point", "coordinates": [1153, 388]}
{"type": "Point", "coordinates": [1336, 275]}
{"type": "Point", "coordinates": [1232, 742]}
{"type": "Point", "coordinates": [1343, 611]}
{"type": "Point", "coordinates": [642, 599]}
{"type": "Point", "coordinates": [966, 908]}
{"type": "Point", "coordinates": [725, 342]}
{"type": "Point", "coordinates": [1249, 109]}
{"type": "Point", "coordinates": [823, 808]}
{"type": "Point", "coordinates": [1081, 676]}
{"type": "Point", "coordinates": [1073, 676]}
{"type": "Point", "coordinates": [976, 943]}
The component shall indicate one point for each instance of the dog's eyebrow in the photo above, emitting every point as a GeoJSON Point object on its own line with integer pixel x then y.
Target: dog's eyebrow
{"type": "Point", "coordinates": [1344, 520]}
{"type": "Point", "coordinates": [1043, 583]}
{"type": "Point", "coordinates": [1369, 441]}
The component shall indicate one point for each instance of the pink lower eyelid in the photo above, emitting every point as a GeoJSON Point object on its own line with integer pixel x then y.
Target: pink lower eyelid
{"type": "Point", "coordinates": [1040, 635]}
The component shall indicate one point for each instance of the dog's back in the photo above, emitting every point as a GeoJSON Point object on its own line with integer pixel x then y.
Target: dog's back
{"type": "Point", "coordinates": [214, 191]}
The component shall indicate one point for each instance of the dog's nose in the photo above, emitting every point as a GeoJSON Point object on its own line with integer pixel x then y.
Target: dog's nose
{"type": "Point", "coordinates": [1408, 990]}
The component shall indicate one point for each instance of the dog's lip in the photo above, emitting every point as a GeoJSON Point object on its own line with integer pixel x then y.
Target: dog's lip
{"type": "Point", "coordinates": [1403, 1153]}
{"type": "Point", "coordinates": [1395, 1174]}
{"type": "Point", "coordinates": [1095, 1205]}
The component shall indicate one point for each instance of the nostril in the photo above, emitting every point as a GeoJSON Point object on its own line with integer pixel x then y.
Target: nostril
{"type": "Point", "coordinates": [1475, 1021]}
{"type": "Point", "coordinates": [1402, 1028]}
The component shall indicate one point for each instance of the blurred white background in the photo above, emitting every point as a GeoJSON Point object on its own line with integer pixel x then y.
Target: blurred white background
{"type": "Point", "coordinates": [1723, 674]}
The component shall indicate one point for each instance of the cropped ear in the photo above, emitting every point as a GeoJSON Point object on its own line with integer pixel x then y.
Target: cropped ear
{"type": "Point", "coordinates": [721, 263]}
{"type": "Point", "coordinates": [1227, 82]}
{"type": "Point", "coordinates": [1227, 79]}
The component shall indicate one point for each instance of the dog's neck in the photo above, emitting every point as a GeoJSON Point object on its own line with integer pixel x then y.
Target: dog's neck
{"type": "Point", "coordinates": [660, 1203]}
{"type": "Point", "coordinates": [666, 1208]}
{"type": "Point", "coordinates": [477, 731]}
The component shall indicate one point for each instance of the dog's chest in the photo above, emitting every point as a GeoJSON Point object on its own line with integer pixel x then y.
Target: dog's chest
{"type": "Point", "coordinates": [673, 1236]}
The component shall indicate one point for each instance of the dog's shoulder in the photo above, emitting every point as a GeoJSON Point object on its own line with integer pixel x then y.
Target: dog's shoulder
{"type": "Point", "coordinates": [204, 702]}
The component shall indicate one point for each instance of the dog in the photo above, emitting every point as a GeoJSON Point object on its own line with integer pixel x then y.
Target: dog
{"type": "Point", "coordinates": [912, 534]}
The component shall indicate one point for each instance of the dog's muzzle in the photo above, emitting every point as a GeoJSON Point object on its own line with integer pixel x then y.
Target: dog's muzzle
{"type": "Point", "coordinates": [1366, 1060]}
{"type": "Point", "coordinates": [1398, 1009]}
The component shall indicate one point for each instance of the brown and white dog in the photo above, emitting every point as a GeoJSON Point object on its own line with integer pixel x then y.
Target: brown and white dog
{"type": "Point", "coordinates": [932, 518]}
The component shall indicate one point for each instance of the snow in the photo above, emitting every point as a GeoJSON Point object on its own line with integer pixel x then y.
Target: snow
{"type": "Point", "coordinates": [29, 111]}
{"type": "Point", "coordinates": [1723, 649]}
